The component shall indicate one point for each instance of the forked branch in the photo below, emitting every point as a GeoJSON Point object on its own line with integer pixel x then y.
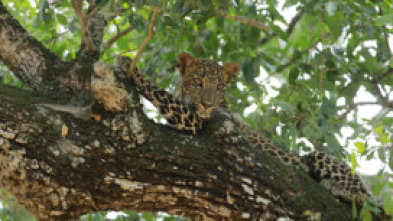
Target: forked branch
{"type": "Point", "coordinates": [77, 5]}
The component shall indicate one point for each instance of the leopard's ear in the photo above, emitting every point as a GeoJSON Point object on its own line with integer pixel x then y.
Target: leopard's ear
{"type": "Point", "coordinates": [230, 71]}
{"type": "Point", "coordinates": [185, 59]}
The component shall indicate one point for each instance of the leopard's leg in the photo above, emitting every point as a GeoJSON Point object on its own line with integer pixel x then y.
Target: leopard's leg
{"type": "Point", "coordinates": [336, 176]}
{"type": "Point", "coordinates": [178, 115]}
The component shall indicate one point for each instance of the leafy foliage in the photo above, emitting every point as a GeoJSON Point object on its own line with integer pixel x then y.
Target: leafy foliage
{"type": "Point", "coordinates": [306, 81]}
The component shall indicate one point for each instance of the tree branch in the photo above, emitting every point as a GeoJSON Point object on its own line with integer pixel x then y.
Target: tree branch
{"type": "Point", "coordinates": [149, 36]}
{"type": "Point", "coordinates": [247, 21]}
{"type": "Point", "coordinates": [351, 107]}
{"type": "Point", "coordinates": [385, 100]}
{"type": "Point", "coordinates": [77, 5]}
{"type": "Point", "coordinates": [383, 75]}
{"type": "Point", "coordinates": [108, 44]}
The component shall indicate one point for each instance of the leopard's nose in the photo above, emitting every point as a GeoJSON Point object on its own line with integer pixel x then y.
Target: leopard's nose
{"type": "Point", "coordinates": [208, 98]}
{"type": "Point", "coordinates": [208, 102]}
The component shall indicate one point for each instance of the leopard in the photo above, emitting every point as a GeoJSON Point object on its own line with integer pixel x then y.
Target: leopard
{"type": "Point", "coordinates": [202, 91]}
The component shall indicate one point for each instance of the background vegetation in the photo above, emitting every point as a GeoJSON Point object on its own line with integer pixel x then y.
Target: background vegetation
{"type": "Point", "coordinates": [310, 68]}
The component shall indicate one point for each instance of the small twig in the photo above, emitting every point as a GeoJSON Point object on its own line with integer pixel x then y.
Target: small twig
{"type": "Point", "coordinates": [351, 107]}
{"type": "Point", "coordinates": [109, 43]}
{"type": "Point", "coordinates": [293, 22]}
{"type": "Point", "coordinates": [289, 30]}
{"type": "Point", "coordinates": [385, 100]}
{"type": "Point", "coordinates": [244, 20]}
{"type": "Point", "coordinates": [383, 75]}
{"type": "Point", "coordinates": [144, 43]}
{"type": "Point", "coordinates": [77, 5]}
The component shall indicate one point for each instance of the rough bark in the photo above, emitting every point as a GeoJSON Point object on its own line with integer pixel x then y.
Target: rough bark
{"type": "Point", "coordinates": [125, 161]}
{"type": "Point", "coordinates": [27, 58]}
{"type": "Point", "coordinates": [38, 67]}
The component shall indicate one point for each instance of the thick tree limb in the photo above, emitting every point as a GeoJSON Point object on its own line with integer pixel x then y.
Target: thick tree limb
{"type": "Point", "coordinates": [125, 161]}
{"type": "Point", "coordinates": [27, 58]}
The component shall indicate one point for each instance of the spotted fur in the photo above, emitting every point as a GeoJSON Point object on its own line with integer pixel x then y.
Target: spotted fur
{"type": "Point", "coordinates": [203, 84]}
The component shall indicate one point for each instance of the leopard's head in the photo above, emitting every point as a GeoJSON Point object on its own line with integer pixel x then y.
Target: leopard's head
{"type": "Point", "coordinates": [203, 82]}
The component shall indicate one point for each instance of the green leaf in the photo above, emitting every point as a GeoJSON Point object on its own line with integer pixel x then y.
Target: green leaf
{"type": "Point", "coordinates": [72, 27]}
{"type": "Point", "coordinates": [361, 147]}
{"type": "Point", "coordinates": [354, 210]}
{"type": "Point", "coordinates": [131, 214]}
{"type": "Point", "coordinates": [296, 55]}
{"type": "Point", "coordinates": [139, 3]}
{"type": "Point", "coordinates": [278, 31]}
{"type": "Point", "coordinates": [391, 161]}
{"type": "Point", "coordinates": [154, 3]}
{"type": "Point", "coordinates": [366, 215]}
{"type": "Point", "coordinates": [382, 154]}
{"type": "Point", "coordinates": [354, 162]}
{"type": "Point", "coordinates": [177, 6]}
{"type": "Point", "coordinates": [62, 19]}
{"type": "Point", "coordinates": [45, 14]}
{"type": "Point", "coordinates": [378, 130]}
{"type": "Point", "coordinates": [148, 216]}
{"type": "Point", "coordinates": [293, 74]}
{"type": "Point", "coordinates": [226, 3]}
{"type": "Point", "coordinates": [169, 21]}
{"type": "Point", "coordinates": [384, 139]}
{"type": "Point", "coordinates": [205, 4]}
{"type": "Point", "coordinates": [287, 107]}
{"type": "Point", "coordinates": [137, 23]}
{"type": "Point", "coordinates": [101, 3]}
{"type": "Point", "coordinates": [388, 206]}
{"type": "Point", "coordinates": [250, 69]}
{"type": "Point", "coordinates": [384, 20]}
{"type": "Point", "coordinates": [332, 75]}
{"type": "Point", "coordinates": [280, 68]}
